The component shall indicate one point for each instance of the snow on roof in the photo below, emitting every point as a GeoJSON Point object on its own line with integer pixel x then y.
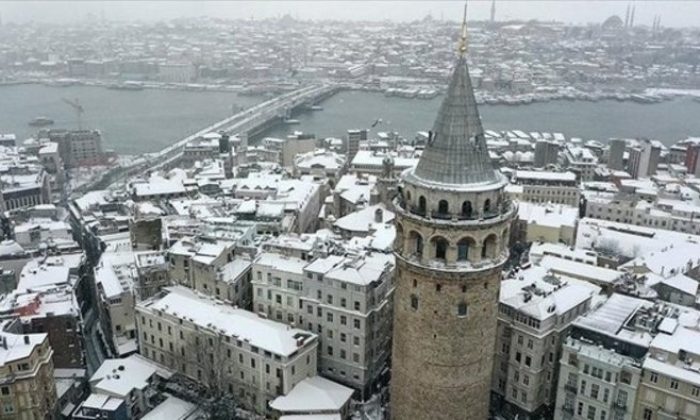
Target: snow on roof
{"type": "Point", "coordinates": [282, 263]}
{"type": "Point", "coordinates": [630, 240]}
{"type": "Point", "coordinates": [354, 189]}
{"type": "Point", "coordinates": [674, 258]}
{"type": "Point", "coordinates": [159, 186]}
{"type": "Point", "coordinates": [540, 294]}
{"type": "Point", "coordinates": [314, 394]}
{"type": "Point", "coordinates": [685, 375]}
{"type": "Point", "coordinates": [364, 220]}
{"type": "Point", "coordinates": [361, 270]}
{"type": "Point", "coordinates": [102, 402]}
{"type": "Point", "coordinates": [682, 339]}
{"type": "Point", "coordinates": [552, 215]}
{"type": "Point", "coordinates": [38, 274]}
{"type": "Point", "coordinates": [312, 417]}
{"type": "Point", "coordinates": [234, 269]}
{"type": "Point", "coordinates": [583, 271]}
{"type": "Point", "coordinates": [172, 408]}
{"type": "Point", "coordinates": [545, 176]}
{"type": "Point", "coordinates": [118, 377]}
{"type": "Point", "coordinates": [115, 272]}
{"type": "Point", "coordinates": [91, 198]}
{"type": "Point", "coordinates": [683, 283]}
{"type": "Point", "coordinates": [611, 316]}
{"type": "Point", "coordinates": [18, 346]}
{"type": "Point", "coordinates": [10, 247]}
{"type": "Point", "coordinates": [209, 313]}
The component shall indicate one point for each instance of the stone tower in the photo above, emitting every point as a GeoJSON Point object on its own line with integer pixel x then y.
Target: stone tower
{"type": "Point", "coordinates": [452, 222]}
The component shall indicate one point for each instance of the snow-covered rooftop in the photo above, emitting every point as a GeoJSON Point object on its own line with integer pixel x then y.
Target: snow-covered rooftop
{"type": "Point", "coordinates": [209, 313]}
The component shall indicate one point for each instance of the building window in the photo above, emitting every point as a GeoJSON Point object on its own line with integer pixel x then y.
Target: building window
{"type": "Point", "coordinates": [487, 206]}
{"type": "Point", "coordinates": [467, 209]}
{"type": "Point", "coordinates": [462, 250]}
{"type": "Point", "coordinates": [414, 302]}
{"type": "Point", "coordinates": [647, 414]}
{"type": "Point", "coordinates": [421, 204]}
{"type": "Point", "coordinates": [674, 384]}
{"type": "Point", "coordinates": [443, 207]}
{"type": "Point", "coordinates": [462, 309]}
{"type": "Point", "coordinates": [653, 377]}
{"type": "Point", "coordinates": [440, 245]}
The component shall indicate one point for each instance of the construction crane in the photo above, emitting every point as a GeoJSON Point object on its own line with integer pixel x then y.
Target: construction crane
{"type": "Point", "coordinates": [79, 110]}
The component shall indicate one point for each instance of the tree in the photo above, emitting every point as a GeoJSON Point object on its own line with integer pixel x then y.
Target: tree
{"type": "Point", "coordinates": [205, 349]}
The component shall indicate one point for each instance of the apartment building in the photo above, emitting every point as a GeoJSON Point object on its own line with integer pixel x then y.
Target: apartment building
{"type": "Point", "coordinates": [222, 347]}
{"type": "Point", "coordinates": [581, 161]}
{"type": "Point", "coordinates": [548, 187]}
{"type": "Point", "coordinates": [27, 388]}
{"type": "Point", "coordinates": [601, 362]}
{"type": "Point", "coordinates": [211, 267]}
{"type": "Point", "coordinates": [670, 386]}
{"type": "Point", "coordinates": [536, 310]}
{"type": "Point", "coordinates": [346, 300]}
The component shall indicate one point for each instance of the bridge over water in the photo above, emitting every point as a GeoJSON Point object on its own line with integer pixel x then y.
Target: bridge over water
{"type": "Point", "coordinates": [245, 123]}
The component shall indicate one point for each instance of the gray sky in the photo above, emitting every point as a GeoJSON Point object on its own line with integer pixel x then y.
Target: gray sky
{"type": "Point", "coordinates": [673, 13]}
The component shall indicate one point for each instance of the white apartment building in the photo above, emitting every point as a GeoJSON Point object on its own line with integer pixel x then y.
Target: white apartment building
{"type": "Point", "coordinates": [346, 300]}
{"type": "Point", "coordinates": [546, 187]}
{"type": "Point", "coordinates": [670, 387]}
{"type": "Point", "coordinates": [663, 214]}
{"type": "Point", "coordinates": [580, 160]}
{"type": "Point", "coordinates": [536, 310]}
{"type": "Point", "coordinates": [225, 348]}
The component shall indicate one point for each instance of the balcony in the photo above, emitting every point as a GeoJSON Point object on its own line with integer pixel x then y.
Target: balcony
{"type": "Point", "coordinates": [620, 406]}
{"type": "Point", "coordinates": [572, 388]}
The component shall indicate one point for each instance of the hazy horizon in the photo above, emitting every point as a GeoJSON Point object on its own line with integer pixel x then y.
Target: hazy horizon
{"type": "Point", "coordinates": [682, 14]}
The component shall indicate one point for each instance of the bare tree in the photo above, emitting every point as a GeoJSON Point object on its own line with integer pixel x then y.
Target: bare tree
{"type": "Point", "coordinates": [207, 352]}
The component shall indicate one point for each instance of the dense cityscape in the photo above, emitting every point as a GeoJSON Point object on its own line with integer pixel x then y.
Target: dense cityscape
{"type": "Point", "coordinates": [456, 272]}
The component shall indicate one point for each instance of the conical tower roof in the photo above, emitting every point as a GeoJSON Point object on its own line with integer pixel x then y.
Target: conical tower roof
{"type": "Point", "coordinates": [456, 150]}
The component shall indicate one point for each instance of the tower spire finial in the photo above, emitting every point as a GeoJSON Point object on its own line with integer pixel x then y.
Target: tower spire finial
{"type": "Point", "coordinates": [463, 39]}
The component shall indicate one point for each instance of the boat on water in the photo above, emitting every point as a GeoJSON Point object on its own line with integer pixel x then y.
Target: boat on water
{"type": "Point", "coordinates": [41, 122]}
{"type": "Point", "coordinates": [291, 121]}
{"type": "Point", "coordinates": [126, 86]}
{"type": "Point", "coordinates": [316, 108]}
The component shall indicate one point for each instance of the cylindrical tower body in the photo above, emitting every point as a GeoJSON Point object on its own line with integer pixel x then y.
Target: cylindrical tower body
{"type": "Point", "coordinates": [446, 301]}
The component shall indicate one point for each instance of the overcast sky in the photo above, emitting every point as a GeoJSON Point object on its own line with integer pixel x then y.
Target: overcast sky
{"type": "Point", "coordinates": [673, 13]}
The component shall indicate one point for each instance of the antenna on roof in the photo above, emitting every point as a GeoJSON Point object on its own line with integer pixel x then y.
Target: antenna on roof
{"type": "Point", "coordinates": [463, 39]}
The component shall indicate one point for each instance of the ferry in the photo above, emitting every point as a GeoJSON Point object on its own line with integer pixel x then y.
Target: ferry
{"type": "Point", "coordinates": [291, 121]}
{"type": "Point", "coordinates": [126, 86]}
{"type": "Point", "coordinates": [41, 122]}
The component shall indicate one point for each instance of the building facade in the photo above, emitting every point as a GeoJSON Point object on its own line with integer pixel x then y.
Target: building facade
{"type": "Point", "coordinates": [224, 348]}
{"type": "Point", "coordinates": [452, 224]}
{"type": "Point", "coordinates": [27, 389]}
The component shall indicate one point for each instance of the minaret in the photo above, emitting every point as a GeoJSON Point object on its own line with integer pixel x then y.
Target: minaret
{"type": "Point", "coordinates": [493, 11]}
{"type": "Point", "coordinates": [632, 17]}
{"type": "Point", "coordinates": [452, 227]}
{"type": "Point", "coordinates": [627, 16]}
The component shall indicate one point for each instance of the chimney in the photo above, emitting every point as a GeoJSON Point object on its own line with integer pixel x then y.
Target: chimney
{"type": "Point", "coordinates": [378, 216]}
{"type": "Point", "coordinates": [26, 339]}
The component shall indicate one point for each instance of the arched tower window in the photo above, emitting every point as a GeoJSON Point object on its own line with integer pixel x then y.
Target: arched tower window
{"type": "Point", "coordinates": [463, 249]}
{"type": "Point", "coordinates": [408, 196]}
{"type": "Point", "coordinates": [421, 205]}
{"type": "Point", "coordinates": [488, 250]}
{"type": "Point", "coordinates": [443, 207]}
{"type": "Point", "coordinates": [467, 209]}
{"type": "Point", "coordinates": [487, 206]}
{"type": "Point", "coordinates": [417, 242]}
{"type": "Point", "coordinates": [440, 245]}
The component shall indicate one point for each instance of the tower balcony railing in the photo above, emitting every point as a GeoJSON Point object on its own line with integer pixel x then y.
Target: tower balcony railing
{"type": "Point", "coordinates": [500, 211]}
